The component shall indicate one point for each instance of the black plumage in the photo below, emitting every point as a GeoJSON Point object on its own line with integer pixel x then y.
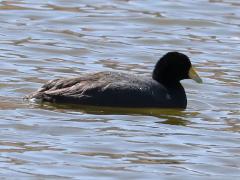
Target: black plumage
{"type": "Point", "coordinates": [116, 89]}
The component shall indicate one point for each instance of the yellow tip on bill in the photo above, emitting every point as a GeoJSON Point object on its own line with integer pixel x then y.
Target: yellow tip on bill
{"type": "Point", "coordinates": [194, 76]}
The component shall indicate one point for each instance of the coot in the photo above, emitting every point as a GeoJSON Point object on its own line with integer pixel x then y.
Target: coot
{"type": "Point", "coordinates": [116, 89]}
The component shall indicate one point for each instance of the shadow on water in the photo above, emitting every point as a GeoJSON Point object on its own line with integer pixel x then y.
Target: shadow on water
{"type": "Point", "coordinates": [167, 116]}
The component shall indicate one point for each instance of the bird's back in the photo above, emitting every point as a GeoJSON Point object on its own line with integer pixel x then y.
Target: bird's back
{"type": "Point", "coordinates": [106, 89]}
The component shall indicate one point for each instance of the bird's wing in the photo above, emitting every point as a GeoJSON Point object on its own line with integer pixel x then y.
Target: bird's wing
{"type": "Point", "coordinates": [76, 88]}
{"type": "Point", "coordinates": [59, 86]}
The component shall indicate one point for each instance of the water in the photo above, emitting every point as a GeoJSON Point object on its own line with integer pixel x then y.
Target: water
{"type": "Point", "coordinates": [51, 39]}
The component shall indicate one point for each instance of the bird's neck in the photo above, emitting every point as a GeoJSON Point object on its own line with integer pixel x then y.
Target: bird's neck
{"type": "Point", "coordinates": [177, 93]}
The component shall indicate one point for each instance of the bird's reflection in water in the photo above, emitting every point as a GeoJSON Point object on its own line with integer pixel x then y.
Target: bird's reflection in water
{"type": "Point", "coordinates": [166, 116]}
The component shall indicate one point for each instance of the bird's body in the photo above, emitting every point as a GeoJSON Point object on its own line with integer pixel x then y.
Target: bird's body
{"type": "Point", "coordinates": [111, 89]}
{"type": "Point", "coordinates": [116, 89]}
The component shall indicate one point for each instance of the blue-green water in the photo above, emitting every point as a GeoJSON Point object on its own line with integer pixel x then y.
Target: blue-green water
{"type": "Point", "coordinates": [42, 40]}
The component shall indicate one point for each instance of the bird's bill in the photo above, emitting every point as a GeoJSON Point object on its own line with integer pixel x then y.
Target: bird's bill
{"type": "Point", "coordinates": [194, 76]}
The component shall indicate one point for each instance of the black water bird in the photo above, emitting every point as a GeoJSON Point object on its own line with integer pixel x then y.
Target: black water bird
{"type": "Point", "coordinates": [115, 89]}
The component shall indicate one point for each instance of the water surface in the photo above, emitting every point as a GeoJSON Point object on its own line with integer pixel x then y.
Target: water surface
{"type": "Point", "coordinates": [43, 40]}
